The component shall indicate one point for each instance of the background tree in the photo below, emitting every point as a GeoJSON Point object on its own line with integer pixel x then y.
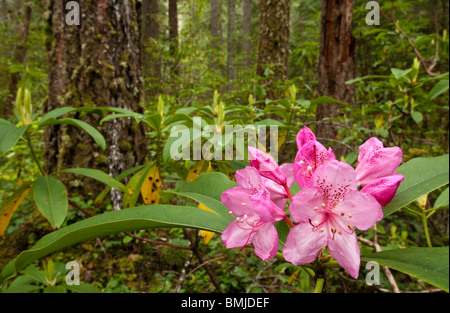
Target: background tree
{"type": "Point", "coordinates": [215, 32]}
{"type": "Point", "coordinates": [273, 42]}
{"type": "Point", "coordinates": [173, 35]}
{"type": "Point", "coordinates": [94, 64]}
{"type": "Point", "coordinates": [23, 10]}
{"type": "Point", "coordinates": [150, 48]}
{"type": "Point", "coordinates": [231, 41]}
{"type": "Point", "coordinates": [247, 32]}
{"type": "Point", "coordinates": [336, 63]}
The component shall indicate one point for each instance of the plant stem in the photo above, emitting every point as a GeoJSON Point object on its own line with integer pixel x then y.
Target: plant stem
{"type": "Point", "coordinates": [425, 228]}
{"type": "Point", "coordinates": [288, 192]}
{"type": "Point", "coordinates": [288, 221]}
{"type": "Point", "coordinates": [33, 153]}
{"type": "Point", "coordinates": [319, 285]}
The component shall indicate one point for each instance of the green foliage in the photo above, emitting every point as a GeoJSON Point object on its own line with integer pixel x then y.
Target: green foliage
{"type": "Point", "coordinates": [428, 264]}
{"type": "Point", "coordinates": [397, 101]}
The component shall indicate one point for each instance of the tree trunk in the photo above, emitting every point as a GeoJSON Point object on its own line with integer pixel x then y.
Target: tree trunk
{"type": "Point", "coordinates": [94, 64]}
{"type": "Point", "coordinates": [150, 51]}
{"type": "Point", "coordinates": [173, 34]}
{"type": "Point", "coordinates": [216, 35]}
{"type": "Point", "coordinates": [273, 46]}
{"type": "Point", "coordinates": [336, 64]}
{"type": "Point", "coordinates": [231, 55]}
{"type": "Point", "coordinates": [247, 32]}
{"type": "Point", "coordinates": [20, 50]}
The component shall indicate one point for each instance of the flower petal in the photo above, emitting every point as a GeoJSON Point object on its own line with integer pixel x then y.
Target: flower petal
{"type": "Point", "coordinates": [288, 171]}
{"type": "Point", "coordinates": [305, 206]}
{"type": "Point", "coordinates": [365, 149]}
{"type": "Point", "coordinates": [345, 249]}
{"type": "Point", "coordinates": [334, 179]}
{"type": "Point", "coordinates": [384, 189]}
{"type": "Point", "coordinates": [266, 241]}
{"type": "Point", "coordinates": [266, 209]}
{"type": "Point", "coordinates": [375, 161]}
{"type": "Point", "coordinates": [303, 244]}
{"type": "Point", "coordinates": [236, 236]}
{"type": "Point", "coordinates": [277, 192]}
{"type": "Point", "coordinates": [304, 136]}
{"type": "Point", "coordinates": [312, 155]}
{"type": "Point", "coordinates": [237, 199]}
{"type": "Point", "coordinates": [249, 178]}
{"type": "Point", "coordinates": [266, 165]}
{"type": "Point", "coordinates": [358, 209]}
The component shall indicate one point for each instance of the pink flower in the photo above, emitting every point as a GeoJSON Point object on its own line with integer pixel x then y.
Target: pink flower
{"type": "Point", "coordinates": [304, 136]}
{"type": "Point", "coordinates": [328, 209]}
{"type": "Point", "coordinates": [376, 170]}
{"type": "Point", "coordinates": [249, 178]}
{"type": "Point", "coordinates": [267, 167]}
{"type": "Point", "coordinates": [311, 154]}
{"type": "Point", "coordinates": [375, 161]}
{"type": "Point", "coordinates": [384, 189]}
{"type": "Point", "coordinates": [254, 213]}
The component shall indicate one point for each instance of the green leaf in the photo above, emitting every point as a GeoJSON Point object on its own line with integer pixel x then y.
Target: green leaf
{"type": "Point", "coordinates": [441, 87]}
{"type": "Point", "coordinates": [133, 189]}
{"type": "Point", "coordinates": [326, 99]}
{"type": "Point", "coordinates": [422, 175]}
{"type": "Point", "coordinates": [21, 284]}
{"type": "Point", "coordinates": [442, 200]}
{"type": "Point", "coordinates": [94, 133]}
{"type": "Point", "coordinates": [398, 73]}
{"type": "Point", "coordinates": [428, 264]}
{"type": "Point", "coordinates": [9, 135]}
{"type": "Point", "coordinates": [154, 121]}
{"type": "Point", "coordinates": [83, 288]}
{"type": "Point", "coordinates": [417, 117]}
{"type": "Point", "coordinates": [51, 199]}
{"type": "Point", "coordinates": [53, 114]}
{"type": "Point", "coordinates": [119, 177]}
{"type": "Point", "coordinates": [97, 175]}
{"type": "Point", "coordinates": [207, 189]}
{"type": "Point", "coordinates": [133, 219]}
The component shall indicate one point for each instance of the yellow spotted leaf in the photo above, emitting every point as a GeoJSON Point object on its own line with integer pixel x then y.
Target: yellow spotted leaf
{"type": "Point", "coordinates": [195, 171]}
{"type": "Point", "coordinates": [10, 206]}
{"type": "Point", "coordinates": [282, 138]}
{"type": "Point", "coordinates": [207, 235]}
{"type": "Point", "coordinates": [151, 186]}
{"type": "Point", "coordinates": [193, 174]}
{"type": "Point", "coordinates": [294, 276]}
{"type": "Point", "coordinates": [201, 206]}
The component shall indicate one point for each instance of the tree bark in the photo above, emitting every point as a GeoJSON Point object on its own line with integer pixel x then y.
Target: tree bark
{"type": "Point", "coordinates": [95, 64]}
{"type": "Point", "coordinates": [336, 64]}
{"type": "Point", "coordinates": [216, 36]}
{"type": "Point", "coordinates": [273, 45]}
{"type": "Point", "coordinates": [20, 50]}
{"type": "Point", "coordinates": [173, 34]}
{"type": "Point", "coordinates": [150, 51]}
{"type": "Point", "coordinates": [231, 44]}
{"type": "Point", "coordinates": [247, 32]}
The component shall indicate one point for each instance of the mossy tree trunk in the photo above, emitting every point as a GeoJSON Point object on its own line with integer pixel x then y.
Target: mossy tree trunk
{"type": "Point", "coordinates": [231, 41]}
{"type": "Point", "coordinates": [273, 42]}
{"type": "Point", "coordinates": [150, 24]}
{"type": "Point", "coordinates": [336, 65]}
{"type": "Point", "coordinates": [95, 64]}
{"type": "Point", "coordinates": [23, 10]}
{"type": "Point", "coordinates": [173, 36]}
{"type": "Point", "coordinates": [247, 32]}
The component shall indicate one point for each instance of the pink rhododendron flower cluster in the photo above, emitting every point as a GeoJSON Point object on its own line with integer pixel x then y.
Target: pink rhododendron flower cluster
{"type": "Point", "coordinates": [334, 199]}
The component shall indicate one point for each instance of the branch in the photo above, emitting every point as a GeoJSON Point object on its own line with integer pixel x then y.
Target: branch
{"type": "Point", "coordinates": [387, 271]}
{"type": "Point", "coordinates": [428, 69]}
